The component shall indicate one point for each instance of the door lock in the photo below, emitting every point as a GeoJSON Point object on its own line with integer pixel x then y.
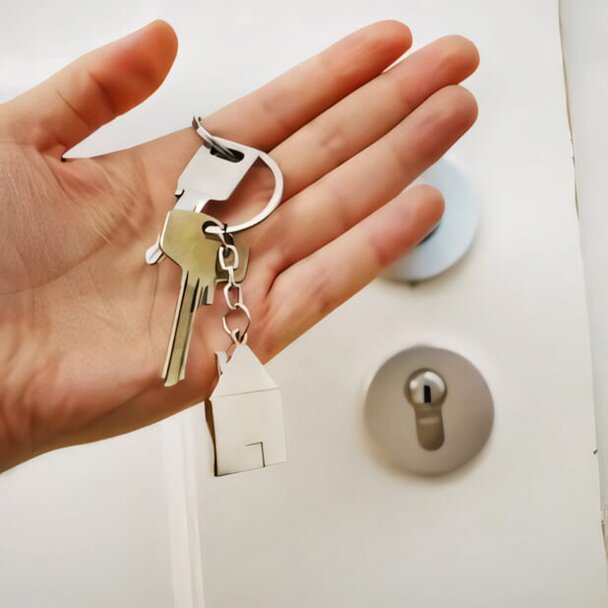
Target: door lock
{"type": "Point", "coordinates": [426, 392]}
{"type": "Point", "coordinates": [428, 410]}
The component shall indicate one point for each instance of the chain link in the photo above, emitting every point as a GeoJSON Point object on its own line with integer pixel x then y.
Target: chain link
{"type": "Point", "coordinates": [228, 259]}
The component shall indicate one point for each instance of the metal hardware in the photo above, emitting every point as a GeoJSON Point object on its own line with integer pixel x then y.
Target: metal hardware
{"type": "Point", "coordinates": [428, 411]}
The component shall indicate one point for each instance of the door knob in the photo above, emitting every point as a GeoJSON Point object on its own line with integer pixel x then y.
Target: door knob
{"type": "Point", "coordinates": [452, 237]}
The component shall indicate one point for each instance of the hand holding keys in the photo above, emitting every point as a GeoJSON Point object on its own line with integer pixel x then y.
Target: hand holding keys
{"type": "Point", "coordinates": [329, 134]}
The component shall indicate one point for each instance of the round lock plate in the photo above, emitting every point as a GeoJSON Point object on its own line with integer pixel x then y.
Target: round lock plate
{"type": "Point", "coordinates": [454, 235]}
{"type": "Point", "coordinates": [400, 422]}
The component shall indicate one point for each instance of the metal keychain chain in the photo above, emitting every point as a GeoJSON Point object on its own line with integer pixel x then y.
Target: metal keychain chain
{"type": "Point", "coordinates": [245, 408]}
{"type": "Point", "coordinates": [228, 259]}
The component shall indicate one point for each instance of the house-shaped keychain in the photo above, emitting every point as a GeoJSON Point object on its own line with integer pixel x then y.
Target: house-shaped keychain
{"type": "Point", "coordinates": [246, 421]}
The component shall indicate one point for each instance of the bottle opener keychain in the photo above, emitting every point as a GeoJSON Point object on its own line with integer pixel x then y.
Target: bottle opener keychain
{"type": "Point", "coordinates": [244, 412]}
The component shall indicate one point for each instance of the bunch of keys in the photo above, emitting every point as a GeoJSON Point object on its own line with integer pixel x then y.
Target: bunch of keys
{"type": "Point", "coordinates": [246, 419]}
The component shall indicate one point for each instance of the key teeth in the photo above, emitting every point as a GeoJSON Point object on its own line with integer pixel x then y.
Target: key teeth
{"type": "Point", "coordinates": [207, 295]}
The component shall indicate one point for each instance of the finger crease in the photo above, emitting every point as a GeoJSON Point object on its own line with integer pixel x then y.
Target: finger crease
{"type": "Point", "coordinates": [105, 95]}
{"type": "Point", "coordinates": [73, 108]}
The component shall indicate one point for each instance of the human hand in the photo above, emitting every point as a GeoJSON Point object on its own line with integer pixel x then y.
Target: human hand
{"type": "Point", "coordinates": [84, 322]}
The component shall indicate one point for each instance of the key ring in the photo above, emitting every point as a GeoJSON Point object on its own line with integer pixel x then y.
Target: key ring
{"type": "Point", "coordinates": [225, 147]}
{"type": "Point", "coordinates": [212, 142]}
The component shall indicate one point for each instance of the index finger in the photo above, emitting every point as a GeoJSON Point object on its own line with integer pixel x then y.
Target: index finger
{"type": "Point", "coordinates": [267, 116]}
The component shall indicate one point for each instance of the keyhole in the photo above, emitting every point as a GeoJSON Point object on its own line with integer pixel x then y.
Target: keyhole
{"type": "Point", "coordinates": [427, 394]}
{"type": "Point", "coordinates": [426, 391]}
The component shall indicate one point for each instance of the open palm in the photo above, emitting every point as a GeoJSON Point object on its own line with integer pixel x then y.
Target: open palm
{"type": "Point", "coordinates": [84, 321]}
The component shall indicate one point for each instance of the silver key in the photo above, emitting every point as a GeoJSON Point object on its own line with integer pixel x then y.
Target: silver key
{"type": "Point", "coordinates": [208, 177]}
{"type": "Point", "coordinates": [184, 242]}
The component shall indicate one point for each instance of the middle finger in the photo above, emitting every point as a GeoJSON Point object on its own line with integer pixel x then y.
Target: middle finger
{"type": "Point", "coordinates": [371, 111]}
{"type": "Point", "coordinates": [355, 122]}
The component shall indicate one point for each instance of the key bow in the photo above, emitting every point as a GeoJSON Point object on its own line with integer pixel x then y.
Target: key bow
{"type": "Point", "coordinates": [210, 176]}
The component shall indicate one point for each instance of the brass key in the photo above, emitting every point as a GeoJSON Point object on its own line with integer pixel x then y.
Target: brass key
{"type": "Point", "coordinates": [184, 241]}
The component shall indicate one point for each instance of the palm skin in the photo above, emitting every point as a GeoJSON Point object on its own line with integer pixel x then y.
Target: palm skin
{"type": "Point", "coordinates": [84, 320]}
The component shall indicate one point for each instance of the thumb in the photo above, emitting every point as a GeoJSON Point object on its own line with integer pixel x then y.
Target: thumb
{"type": "Point", "coordinates": [60, 112]}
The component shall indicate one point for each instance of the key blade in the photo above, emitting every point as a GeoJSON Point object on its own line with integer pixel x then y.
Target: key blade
{"type": "Point", "coordinates": [177, 355]}
{"type": "Point", "coordinates": [184, 241]}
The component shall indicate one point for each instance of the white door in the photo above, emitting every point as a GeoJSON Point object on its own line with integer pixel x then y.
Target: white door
{"type": "Point", "coordinates": [140, 520]}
